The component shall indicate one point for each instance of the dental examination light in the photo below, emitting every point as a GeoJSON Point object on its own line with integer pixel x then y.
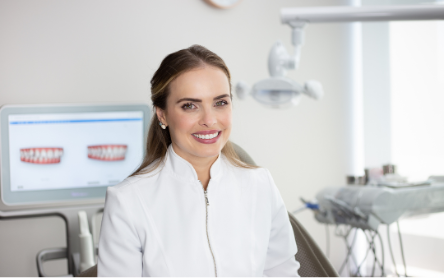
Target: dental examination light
{"type": "Point", "coordinates": [278, 90]}
{"type": "Point", "coordinates": [281, 91]}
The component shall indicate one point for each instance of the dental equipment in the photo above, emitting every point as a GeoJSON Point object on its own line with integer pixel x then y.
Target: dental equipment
{"type": "Point", "coordinates": [86, 243]}
{"type": "Point", "coordinates": [365, 211]}
{"type": "Point", "coordinates": [366, 207]}
{"type": "Point", "coordinates": [280, 91]}
{"type": "Point", "coordinates": [361, 13]}
{"type": "Point", "coordinates": [59, 159]}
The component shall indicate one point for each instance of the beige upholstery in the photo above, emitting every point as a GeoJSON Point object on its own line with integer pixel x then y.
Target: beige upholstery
{"type": "Point", "coordinates": [313, 262]}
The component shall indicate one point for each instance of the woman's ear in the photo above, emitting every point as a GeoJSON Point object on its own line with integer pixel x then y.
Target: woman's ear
{"type": "Point", "coordinates": [161, 116]}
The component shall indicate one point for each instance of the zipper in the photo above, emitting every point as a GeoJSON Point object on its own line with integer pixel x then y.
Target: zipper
{"type": "Point", "coordinates": [207, 203]}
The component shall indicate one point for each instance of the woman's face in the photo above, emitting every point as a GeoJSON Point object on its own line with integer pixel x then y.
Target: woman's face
{"type": "Point", "coordinates": [198, 113]}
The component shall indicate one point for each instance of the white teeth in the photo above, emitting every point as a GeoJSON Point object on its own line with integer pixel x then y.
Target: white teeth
{"type": "Point", "coordinates": [107, 153]}
{"type": "Point", "coordinates": [207, 136]}
{"type": "Point", "coordinates": [41, 155]}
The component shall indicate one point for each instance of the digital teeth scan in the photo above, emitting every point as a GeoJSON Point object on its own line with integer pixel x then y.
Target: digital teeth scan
{"type": "Point", "coordinates": [107, 152]}
{"type": "Point", "coordinates": [41, 155]}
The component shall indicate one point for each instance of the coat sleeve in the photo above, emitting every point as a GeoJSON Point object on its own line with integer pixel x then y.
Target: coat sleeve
{"type": "Point", "coordinates": [282, 247]}
{"type": "Point", "coordinates": [120, 252]}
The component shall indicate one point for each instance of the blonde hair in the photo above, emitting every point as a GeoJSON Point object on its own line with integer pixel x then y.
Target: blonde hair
{"type": "Point", "coordinates": [171, 67]}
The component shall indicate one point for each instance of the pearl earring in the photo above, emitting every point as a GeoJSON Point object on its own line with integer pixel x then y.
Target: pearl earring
{"type": "Point", "coordinates": [162, 125]}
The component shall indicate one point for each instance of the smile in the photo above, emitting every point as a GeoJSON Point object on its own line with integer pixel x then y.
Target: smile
{"type": "Point", "coordinates": [206, 136]}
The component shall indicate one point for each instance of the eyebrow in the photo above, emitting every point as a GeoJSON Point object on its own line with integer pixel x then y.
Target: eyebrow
{"type": "Point", "coordinates": [199, 100]}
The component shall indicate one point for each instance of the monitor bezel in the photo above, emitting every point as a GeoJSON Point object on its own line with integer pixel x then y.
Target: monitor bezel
{"type": "Point", "coordinates": [98, 195]}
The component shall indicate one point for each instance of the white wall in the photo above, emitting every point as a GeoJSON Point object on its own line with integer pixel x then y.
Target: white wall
{"type": "Point", "coordinates": [106, 51]}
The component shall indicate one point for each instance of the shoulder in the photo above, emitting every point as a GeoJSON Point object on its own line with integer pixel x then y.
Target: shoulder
{"type": "Point", "coordinates": [259, 174]}
{"type": "Point", "coordinates": [125, 197]}
{"type": "Point", "coordinates": [260, 178]}
{"type": "Point", "coordinates": [131, 184]}
{"type": "Point", "coordinates": [126, 185]}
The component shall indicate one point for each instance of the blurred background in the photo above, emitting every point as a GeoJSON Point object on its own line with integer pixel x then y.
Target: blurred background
{"type": "Point", "coordinates": [65, 51]}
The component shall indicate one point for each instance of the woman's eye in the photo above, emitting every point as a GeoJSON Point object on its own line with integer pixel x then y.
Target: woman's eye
{"type": "Point", "coordinates": [187, 106]}
{"type": "Point", "coordinates": [221, 103]}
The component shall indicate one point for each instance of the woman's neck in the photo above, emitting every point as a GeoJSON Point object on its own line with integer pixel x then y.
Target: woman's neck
{"type": "Point", "coordinates": [203, 174]}
{"type": "Point", "coordinates": [201, 165]}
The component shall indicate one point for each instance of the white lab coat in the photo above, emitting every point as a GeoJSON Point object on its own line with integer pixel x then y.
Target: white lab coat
{"type": "Point", "coordinates": [160, 224]}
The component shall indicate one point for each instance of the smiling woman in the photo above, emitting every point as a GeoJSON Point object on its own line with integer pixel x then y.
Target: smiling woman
{"type": "Point", "coordinates": [191, 92]}
{"type": "Point", "coordinates": [198, 114]}
{"type": "Point", "coordinates": [159, 221]}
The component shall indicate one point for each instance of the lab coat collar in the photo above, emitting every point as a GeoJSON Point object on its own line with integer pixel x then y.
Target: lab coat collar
{"type": "Point", "coordinates": [183, 170]}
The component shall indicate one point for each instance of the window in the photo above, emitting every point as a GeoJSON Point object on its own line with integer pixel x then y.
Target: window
{"type": "Point", "coordinates": [417, 127]}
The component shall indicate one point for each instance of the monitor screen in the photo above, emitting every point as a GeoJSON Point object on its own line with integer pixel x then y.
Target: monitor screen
{"type": "Point", "coordinates": [63, 156]}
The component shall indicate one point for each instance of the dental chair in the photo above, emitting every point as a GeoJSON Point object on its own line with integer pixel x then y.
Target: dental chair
{"type": "Point", "coordinates": [313, 261]}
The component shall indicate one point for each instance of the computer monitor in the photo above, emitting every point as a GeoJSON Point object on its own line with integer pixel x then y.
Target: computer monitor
{"type": "Point", "coordinates": [67, 154]}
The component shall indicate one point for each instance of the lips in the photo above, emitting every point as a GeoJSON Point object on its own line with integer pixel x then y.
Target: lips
{"type": "Point", "coordinates": [47, 155]}
{"type": "Point", "coordinates": [107, 152]}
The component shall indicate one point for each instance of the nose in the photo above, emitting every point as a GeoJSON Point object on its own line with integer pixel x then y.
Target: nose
{"type": "Point", "coordinates": [208, 118]}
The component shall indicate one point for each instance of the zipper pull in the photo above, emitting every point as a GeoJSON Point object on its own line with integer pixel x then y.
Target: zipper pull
{"type": "Point", "coordinates": [206, 198]}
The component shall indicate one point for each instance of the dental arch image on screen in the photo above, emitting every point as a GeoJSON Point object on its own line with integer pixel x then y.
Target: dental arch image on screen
{"type": "Point", "coordinates": [61, 151]}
